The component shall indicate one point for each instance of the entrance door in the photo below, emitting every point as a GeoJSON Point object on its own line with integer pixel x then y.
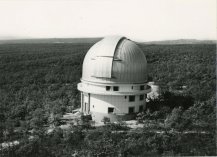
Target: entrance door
{"type": "Point", "coordinates": [131, 110]}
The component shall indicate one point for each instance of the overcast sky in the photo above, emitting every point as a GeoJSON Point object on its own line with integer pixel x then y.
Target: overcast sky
{"type": "Point", "coordinates": [141, 20]}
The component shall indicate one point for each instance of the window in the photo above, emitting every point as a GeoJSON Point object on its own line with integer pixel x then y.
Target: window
{"type": "Point", "coordinates": [140, 108]}
{"type": "Point", "coordinates": [142, 87]}
{"type": "Point", "coordinates": [111, 110]}
{"type": "Point", "coordinates": [115, 88]}
{"type": "Point", "coordinates": [132, 98]}
{"type": "Point", "coordinates": [131, 109]}
{"type": "Point", "coordinates": [141, 97]}
{"type": "Point", "coordinates": [108, 88]}
{"type": "Point", "coordinates": [132, 87]}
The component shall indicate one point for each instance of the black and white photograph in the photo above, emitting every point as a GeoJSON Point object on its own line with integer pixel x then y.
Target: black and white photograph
{"type": "Point", "coordinates": [107, 78]}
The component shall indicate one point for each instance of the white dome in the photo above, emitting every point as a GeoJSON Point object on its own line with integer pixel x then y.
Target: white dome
{"type": "Point", "coordinates": [115, 60]}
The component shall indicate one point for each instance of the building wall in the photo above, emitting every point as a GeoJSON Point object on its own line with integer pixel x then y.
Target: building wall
{"type": "Point", "coordinates": [121, 104]}
{"type": "Point", "coordinates": [96, 99]}
{"type": "Point", "coordinates": [122, 88]}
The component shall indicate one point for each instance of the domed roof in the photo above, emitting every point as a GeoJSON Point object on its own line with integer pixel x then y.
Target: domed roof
{"type": "Point", "coordinates": [115, 60]}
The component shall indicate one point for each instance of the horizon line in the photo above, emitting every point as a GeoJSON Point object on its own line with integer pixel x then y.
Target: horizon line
{"type": "Point", "coordinates": [83, 37]}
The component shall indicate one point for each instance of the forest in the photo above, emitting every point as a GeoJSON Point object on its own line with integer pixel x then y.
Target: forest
{"type": "Point", "coordinates": [38, 85]}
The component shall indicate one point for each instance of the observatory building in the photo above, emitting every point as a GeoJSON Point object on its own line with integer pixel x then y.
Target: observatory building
{"type": "Point", "coordinates": [114, 80]}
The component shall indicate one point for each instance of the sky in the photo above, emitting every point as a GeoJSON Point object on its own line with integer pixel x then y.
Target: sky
{"type": "Point", "coordinates": [141, 20]}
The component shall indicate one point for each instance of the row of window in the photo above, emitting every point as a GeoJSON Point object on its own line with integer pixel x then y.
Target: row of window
{"type": "Point", "coordinates": [133, 97]}
{"type": "Point", "coordinates": [130, 109]}
{"type": "Point", "coordinates": [116, 88]}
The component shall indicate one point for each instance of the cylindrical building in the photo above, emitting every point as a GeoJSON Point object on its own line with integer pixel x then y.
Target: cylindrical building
{"type": "Point", "coordinates": [114, 79]}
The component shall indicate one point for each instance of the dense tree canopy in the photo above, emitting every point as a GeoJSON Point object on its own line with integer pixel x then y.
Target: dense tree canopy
{"type": "Point", "coordinates": [38, 85]}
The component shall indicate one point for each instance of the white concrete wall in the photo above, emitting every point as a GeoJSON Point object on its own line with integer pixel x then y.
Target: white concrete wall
{"type": "Point", "coordinates": [100, 103]}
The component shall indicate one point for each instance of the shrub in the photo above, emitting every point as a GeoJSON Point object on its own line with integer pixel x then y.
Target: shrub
{"type": "Point", "coordinates": [106, 120]}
